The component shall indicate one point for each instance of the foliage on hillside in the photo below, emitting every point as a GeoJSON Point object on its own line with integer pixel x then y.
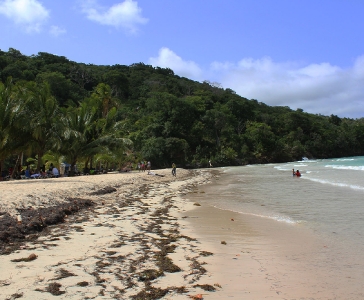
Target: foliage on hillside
{"type": "Point", "coordinates": [49, 104]}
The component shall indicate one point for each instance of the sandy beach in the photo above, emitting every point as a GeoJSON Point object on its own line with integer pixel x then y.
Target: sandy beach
{"type": "Point", "coordinates": [129, 243]}
{"type": "Point", "coordinates": [139, 236]}
{"type": "Point", "coordinates": [259, 258]}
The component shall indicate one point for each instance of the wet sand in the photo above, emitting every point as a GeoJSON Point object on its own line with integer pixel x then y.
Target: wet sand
{"type": "Point", "coordinates": [259, 258]}
{"type": "Point", "coordinates": [153, 237]}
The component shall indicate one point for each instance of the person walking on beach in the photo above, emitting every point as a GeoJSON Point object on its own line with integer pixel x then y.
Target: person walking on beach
{"type": "Point", "coordinates": [174, 169]}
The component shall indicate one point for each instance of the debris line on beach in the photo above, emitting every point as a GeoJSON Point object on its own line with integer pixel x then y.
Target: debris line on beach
{"type": "Point", "coordinates": [13, 232]}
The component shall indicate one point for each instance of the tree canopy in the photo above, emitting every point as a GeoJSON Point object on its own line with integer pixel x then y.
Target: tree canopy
{"type": "Point", "coordinates": [49, 103]}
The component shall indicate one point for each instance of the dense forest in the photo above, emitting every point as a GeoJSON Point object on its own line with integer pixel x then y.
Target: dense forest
{"type": "Point", "coordinates": [53, 110]}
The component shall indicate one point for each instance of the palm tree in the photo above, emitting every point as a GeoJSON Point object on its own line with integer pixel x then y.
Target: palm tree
{"type": "Point", "coordinates": [87, 135]}
{"type": "Point", "coordinates": [11, 126]}
{"type": "Point", "coordinates": [44, 120]}
{"type": "Point", "coordinates": [102, 96]}
{"type": "Point", "coordinates": [54, 158]}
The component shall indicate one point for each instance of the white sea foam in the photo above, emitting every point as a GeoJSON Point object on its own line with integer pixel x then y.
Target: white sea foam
{"type": "Point", "coordinates": [339, 184]}
{"type": "Point", "coordinates": [343, 167]}
{"type": "Point", "coordinates": [283, 168]}
{"type": "Point", "coordinates": [278, 218]}
{"type": "Point", "coordinates": [308, 161]}
{"type": "Point", "coordinates": [284, 219]}
{"type": "Point", "coordinates": [275, 218]}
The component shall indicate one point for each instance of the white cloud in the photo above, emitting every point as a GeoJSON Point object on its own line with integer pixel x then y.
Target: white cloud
{"type": "Point", "coordinates": [168, 59]}
{"type": "Point", "coordinates": [316, 88]}
{"type": "Point", "coordinates": [29, 14]}
{"type": "Point", "coordinates": [127, 15]}
{"type": "Point", "coordinates": [56, 31]}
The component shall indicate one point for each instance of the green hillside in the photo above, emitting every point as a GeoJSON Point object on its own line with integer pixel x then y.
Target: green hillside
{"type": "Point", "coordinates": [56, 109]}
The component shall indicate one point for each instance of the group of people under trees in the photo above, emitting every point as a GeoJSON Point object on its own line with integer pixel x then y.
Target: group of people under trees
{"type": "Point", "coordinates": [147, 166]}
{"type": "Point", "coordinates": [144, 166]}
{"type": "Point", "coordinates": [54, 172]}
{"type": "Point", "coordinates": [29, 173]}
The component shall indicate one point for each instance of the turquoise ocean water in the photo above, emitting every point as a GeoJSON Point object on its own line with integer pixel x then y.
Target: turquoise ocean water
{"type": "Point", "coordinates": [327, 201]}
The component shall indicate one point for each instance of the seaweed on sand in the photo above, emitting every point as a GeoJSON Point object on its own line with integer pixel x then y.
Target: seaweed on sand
{"type": "Point", "coordinates": [35, 221]}
{"type": "Point", "coordinates": [161, 212]}
{"type": "Point", "coordinates": [150, 274]}
{"type": "Point", "coordinates": [16, 296]}
{"type": "Point", "coordinates": [196, 270]}
{"type": "Point", "coordinates": [63, 273]}
{"type": "Point", "coordinates": [206, 287]}
{"type": "Point", "coordinates": [98, 278]}
{"type": "Point", "coordinates": [53, 288]}
{"type": "Point", "coordinates": [105, 190]}
{"type": "Point", "coordinates": [197, 267]}
{"type": "Point", "coordinates": [25, 259]}
{"type": "Point", "coordinates": [206, 253]}
{"type": "Point", "coordinates": [179, 290]}
{"type": "Point", "coordinates": [150, 293]}
{"type": "Point", "coordinates": [166, 264]}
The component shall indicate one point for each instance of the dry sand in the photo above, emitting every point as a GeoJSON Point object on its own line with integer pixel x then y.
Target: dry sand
{"type": "Point", "coordinates": [127, 246]}
{"type": "Point", "coordinates": [146, 237]}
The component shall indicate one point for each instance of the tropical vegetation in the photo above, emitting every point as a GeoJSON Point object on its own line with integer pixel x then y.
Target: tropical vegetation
{"type": "Point", "coordinates": [53, 109]}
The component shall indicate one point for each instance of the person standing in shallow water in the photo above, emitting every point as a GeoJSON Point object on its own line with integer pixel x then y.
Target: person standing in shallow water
{"type": "Point", "coordinates": [174, 169]}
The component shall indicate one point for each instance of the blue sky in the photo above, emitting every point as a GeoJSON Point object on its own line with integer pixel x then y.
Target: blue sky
{"type": "Point", "coordinates": [298, 53]}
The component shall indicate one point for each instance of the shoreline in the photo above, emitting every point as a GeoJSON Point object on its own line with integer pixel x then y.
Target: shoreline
{"type": "Point", "coordinates": [262, 258]}
{"type": "Point", "coordinates": [154, 237]}
{"type": "Point", "coordinates": [127, 246]}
